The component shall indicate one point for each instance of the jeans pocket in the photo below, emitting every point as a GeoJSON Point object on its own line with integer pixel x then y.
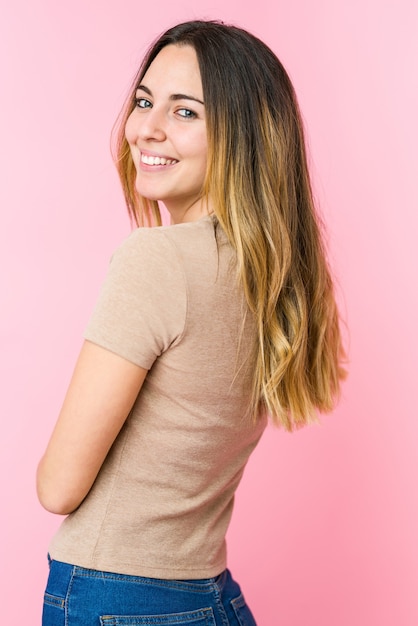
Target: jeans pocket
{"type": "Point", "coordinates": [242, 612]}
{"type": "Point", "coordinates": [201, 617]}
{"type": "Point", "coordinates": [53, 610]}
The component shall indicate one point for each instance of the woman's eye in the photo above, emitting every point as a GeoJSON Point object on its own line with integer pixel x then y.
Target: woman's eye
{"type": "Point", "coordinates": [142, 103]}
{"type": "Point", "coordinates": [187, 113]}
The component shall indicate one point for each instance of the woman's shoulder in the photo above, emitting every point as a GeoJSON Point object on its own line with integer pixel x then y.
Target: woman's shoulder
{"type": "Point", "coordinates": [167, 241]}
{"type": "Point", "coordinates": [143, 243]}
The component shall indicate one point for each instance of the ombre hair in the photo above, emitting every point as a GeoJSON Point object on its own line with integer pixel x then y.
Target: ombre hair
{"type": "Point", "coordinates": [259, 187]}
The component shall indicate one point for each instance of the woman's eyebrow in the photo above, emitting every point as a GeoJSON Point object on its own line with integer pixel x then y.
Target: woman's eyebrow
{"type": "Point", "coordinates": [183, 96]}
{"type": "Point", "coordinates": [174, 96]}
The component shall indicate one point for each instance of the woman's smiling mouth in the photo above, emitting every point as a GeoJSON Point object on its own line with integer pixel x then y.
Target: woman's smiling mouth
{"type": "Point", "coordinates": [156, 160]}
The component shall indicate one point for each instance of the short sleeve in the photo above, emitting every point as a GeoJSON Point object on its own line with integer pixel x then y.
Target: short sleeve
{"type": "Point", "coordinates": [141, 309]}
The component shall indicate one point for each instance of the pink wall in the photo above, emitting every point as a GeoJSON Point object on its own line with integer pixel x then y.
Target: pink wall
{"type": "Point", "coordinates": [325, 527]}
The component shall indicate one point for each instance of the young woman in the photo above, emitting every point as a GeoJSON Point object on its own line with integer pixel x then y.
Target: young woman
{"type": "Point", "coordinates": [203, 328]}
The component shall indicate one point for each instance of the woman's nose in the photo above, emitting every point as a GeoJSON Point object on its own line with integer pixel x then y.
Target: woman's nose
{"type": "Point", "coordinates": [152, 125]}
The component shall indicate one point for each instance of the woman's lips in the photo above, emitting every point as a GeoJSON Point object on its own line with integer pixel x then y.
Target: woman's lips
{"type": "Point", "coordinates": [153, 160]}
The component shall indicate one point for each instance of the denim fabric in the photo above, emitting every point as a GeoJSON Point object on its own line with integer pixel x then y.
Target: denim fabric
{"type": "Point", "coordinates": [76, 596]}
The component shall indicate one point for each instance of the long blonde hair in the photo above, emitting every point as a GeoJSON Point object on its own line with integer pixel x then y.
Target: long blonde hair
{"type": "Point", "coordinates": [259, 185]}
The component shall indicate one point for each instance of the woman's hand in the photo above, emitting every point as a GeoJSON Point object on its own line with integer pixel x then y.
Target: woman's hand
{"type": "Point", "coordinates": [102, 391]}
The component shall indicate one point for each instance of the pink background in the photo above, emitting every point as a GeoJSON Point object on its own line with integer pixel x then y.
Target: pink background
{"type": "Point", "coordinates": [325, 527]}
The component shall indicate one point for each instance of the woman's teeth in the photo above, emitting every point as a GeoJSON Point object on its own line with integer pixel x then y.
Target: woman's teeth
{"type": "Point", "coordinates": [152, 160]}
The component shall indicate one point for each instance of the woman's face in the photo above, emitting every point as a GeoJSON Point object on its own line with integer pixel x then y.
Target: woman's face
{"type": "Point", "coordinates": [166, 133]}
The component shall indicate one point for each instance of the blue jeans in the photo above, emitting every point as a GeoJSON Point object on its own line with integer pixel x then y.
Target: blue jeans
{"type": "Point", "coordinates": [76, 596]}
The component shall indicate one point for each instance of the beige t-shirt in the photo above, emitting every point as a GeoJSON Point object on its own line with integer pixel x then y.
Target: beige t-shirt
{"type": "Point", "coordinates": [162, 501]}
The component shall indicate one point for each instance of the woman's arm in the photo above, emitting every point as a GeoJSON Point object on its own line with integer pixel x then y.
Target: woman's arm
{"type": "Point", "coordinates": [102, 391]}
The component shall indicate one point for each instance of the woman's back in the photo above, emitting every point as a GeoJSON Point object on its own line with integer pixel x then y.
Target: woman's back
{"type": "Point", "coordinates": [163, 499]}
